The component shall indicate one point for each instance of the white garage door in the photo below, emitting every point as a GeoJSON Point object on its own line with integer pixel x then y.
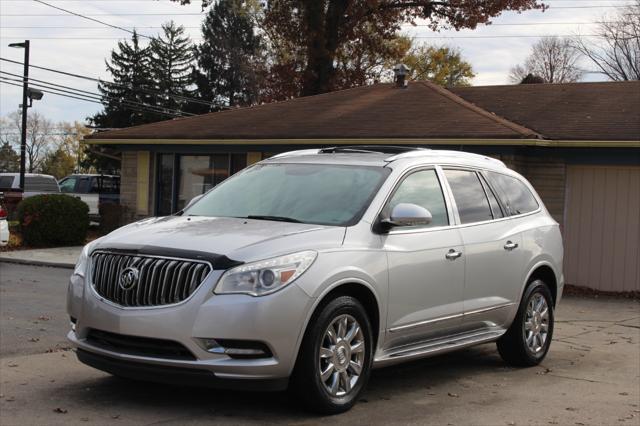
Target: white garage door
{"type": "Point", "coordinates": [602, 227]}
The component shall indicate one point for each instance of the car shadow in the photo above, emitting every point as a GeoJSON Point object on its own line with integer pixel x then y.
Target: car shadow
{"type": "Point", "coordinates": [186, 403]}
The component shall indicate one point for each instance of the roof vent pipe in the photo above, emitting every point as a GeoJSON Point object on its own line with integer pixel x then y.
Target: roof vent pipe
{"type": "Point", "coordinates": [401, 72]}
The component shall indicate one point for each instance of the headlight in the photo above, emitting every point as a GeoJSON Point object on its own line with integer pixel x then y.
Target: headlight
{"type": "Point", "coordinates": [266, 276]}
{"type": "Point", "coordinates": [83, 260]}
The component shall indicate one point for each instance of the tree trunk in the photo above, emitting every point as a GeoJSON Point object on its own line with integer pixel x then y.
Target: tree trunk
{"type": "Point", "coordinates": [321, 50]}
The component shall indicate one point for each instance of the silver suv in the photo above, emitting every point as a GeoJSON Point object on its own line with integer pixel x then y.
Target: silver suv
{"type": "Point", "coordinates": [312, 267]}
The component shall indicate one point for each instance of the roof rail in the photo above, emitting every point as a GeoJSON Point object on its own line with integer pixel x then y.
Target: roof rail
{"type": "Point", "coordinates": [382, 149]}
{"type": "Point", "coordinates": [295, 153]}
{"type": "Point", "coordinates": [446, 153]}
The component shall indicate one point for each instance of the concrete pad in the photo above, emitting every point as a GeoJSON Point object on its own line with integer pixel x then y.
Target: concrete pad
{"type": "Point", "coordinates": [63, 257]}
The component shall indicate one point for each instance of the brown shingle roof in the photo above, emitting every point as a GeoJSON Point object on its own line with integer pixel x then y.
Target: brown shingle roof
{"type": "Point", "coordinates": [576, 111]}
{"type": "Point", "coordinates": [422, 110]}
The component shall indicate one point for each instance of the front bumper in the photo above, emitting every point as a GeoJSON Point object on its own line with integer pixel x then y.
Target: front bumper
{"type": "Point", "coordinates": [277, 320]}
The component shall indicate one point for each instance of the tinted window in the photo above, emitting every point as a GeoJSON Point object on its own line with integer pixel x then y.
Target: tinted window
{"type": "Point", "coordinates": [310, 193]}
{"type": "Point", "coordinates": [40, 184]}
{"type": "Point", "coordinates": [493, 201]}
{"type": "Point", "coordinates": [6, 181]}
{"type": "Point", "coordinates": [84, 185]}
{"type": "Point", "coordinates": [423, 188]}
{"type": "Point", "coordinates": [514, 193]}
{"type": "Point", "coordinates": [110, 185]}
{"type": "Point", "coordinates": [471, 200]}
{"type": "Point", "coordinates": [68, 184]}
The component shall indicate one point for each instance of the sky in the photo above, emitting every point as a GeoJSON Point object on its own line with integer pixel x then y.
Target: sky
{"type": "Point", "coordinates": [69, 43]}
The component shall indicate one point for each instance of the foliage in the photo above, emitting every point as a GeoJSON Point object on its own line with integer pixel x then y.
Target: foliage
{"type": "Point", "coordinates": [616, 54]}
{"type": "Point", "coordinates": [231, 56]}
{"type": "Point", "coordinates": [9, 159]}
{"type": "Point", "coordinates": [58, 163]}
{"type": "Point", "coordinates": [53, 220]}
{"type": "Point", "coordinates": [171, 67]}
{"type": "Point", "coordinates": [131, 74]}
{"type": "Point", "coordinates": [314, 33]}
{"type": "Point", "coordinates": [532, 79]}
{"type": "Point", "coordinates": [40, 138]}
{"type": "Point", "coordinates": [441, 65]}
{"type": "Point", "coordinates": [553, 59]}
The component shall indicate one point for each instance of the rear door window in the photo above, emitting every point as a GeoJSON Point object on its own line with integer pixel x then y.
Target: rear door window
{"type": "Point", "coordinates": [472, 202]}
{"type": "Point", "coordinates": [514, 194]}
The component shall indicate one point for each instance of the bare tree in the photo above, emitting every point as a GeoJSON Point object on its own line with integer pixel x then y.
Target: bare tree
{"type": "Point", "coordinates": [39, 137]}
{"type": "Point", "coordinates": [616, 53]}
{"type": "Point", "coordinates": [553, 59]}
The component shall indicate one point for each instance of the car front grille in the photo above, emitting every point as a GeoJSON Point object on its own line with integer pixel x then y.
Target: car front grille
{"type": "Point", "coordinates": [140, 346]}
{"type": "Point", "coordinates": [137, 280]}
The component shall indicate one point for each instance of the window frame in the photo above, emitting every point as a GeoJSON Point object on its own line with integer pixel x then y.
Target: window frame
{"type": "Point", "coordinates": [453, 198]}
{"type": "Point", "coordinates": [446, 194]}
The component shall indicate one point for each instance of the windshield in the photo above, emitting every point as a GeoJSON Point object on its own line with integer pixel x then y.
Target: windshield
{"type": "Point", "coordinates": [323, 194]}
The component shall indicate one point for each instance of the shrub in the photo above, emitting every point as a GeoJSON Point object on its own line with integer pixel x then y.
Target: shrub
{"type": "Point", "coordinates": [53, 219]}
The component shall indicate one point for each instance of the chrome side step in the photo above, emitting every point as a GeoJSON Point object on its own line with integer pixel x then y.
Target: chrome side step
{"type": "Point", "coordinates": [435, 347]}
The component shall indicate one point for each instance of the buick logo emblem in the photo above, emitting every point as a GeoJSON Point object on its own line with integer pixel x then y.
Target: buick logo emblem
{"type": "Point", "coordinates": [128, 278]}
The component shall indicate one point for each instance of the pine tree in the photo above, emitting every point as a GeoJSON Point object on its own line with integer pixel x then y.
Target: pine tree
{"type": "Point", "coordinates": [171, 62]}
{"type": "Point", "coordinates": [9, 159]}
{"type": "Point", "coordinates": [124, 100]}
{"type": "Point", "coordinates": [229, 59]}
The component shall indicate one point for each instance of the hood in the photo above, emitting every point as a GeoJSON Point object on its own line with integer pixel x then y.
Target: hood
{"type": "Point", "coordinates": [240, 240]}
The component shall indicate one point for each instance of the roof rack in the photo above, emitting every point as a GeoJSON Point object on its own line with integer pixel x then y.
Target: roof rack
{"type": "Point", "coordinates": [446, 153]}
{"type": "Point", "coordinates": [382, 149]}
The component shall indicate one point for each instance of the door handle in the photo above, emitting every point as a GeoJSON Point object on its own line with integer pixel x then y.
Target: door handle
{"type": "Point", "coordinates": [510, 245]}
{"type": "Point", "coordinates": [453, 254]}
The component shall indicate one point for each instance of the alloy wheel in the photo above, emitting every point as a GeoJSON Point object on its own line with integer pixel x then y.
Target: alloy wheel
{"type": "Point", "coordinates": [536, 324]}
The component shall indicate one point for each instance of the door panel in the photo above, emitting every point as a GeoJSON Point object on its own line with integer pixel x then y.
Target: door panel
{"type": "Point", "coordinates": [425, 288]}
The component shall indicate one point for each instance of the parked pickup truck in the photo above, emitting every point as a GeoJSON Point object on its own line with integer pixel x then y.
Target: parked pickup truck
{"type": "Point", "coordinates": [93, 189]}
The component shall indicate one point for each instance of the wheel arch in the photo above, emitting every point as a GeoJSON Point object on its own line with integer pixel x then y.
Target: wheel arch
{"type": "Point", "coordinates": [357, 288]}
{"type": "Point", "coordinates": [543, 270]}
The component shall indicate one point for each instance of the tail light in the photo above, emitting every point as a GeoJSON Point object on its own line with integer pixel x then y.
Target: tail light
{"type": "Point", "coordinates": [3, 213]}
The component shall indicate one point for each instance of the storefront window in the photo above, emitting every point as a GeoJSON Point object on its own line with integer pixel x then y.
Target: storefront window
{"type": "Point", "coordinates": [165, 184]}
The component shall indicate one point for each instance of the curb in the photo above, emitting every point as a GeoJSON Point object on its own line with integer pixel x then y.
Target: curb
{"type": "Point", "coordinates": [38, 263]}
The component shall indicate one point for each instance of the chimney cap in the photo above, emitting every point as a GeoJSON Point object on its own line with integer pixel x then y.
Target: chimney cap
{"type": "Point", "coordinates": [401, 70]}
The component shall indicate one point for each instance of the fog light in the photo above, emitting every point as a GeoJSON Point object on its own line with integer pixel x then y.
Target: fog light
{"type": "Point", "coordinates": [236, 348]}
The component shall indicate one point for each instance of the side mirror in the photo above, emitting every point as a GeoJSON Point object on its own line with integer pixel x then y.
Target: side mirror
{"type": "Point", "coordinates": [407, 214]}
{"type": "Point", "coordinates": [193, 201]}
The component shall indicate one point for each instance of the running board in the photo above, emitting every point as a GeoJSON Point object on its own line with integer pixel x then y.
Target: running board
{"type": "Point", "coordinates": [435, 347]}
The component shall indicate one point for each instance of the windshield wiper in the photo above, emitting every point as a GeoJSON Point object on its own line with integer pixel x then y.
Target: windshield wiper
{"type": "Point", "coordinates": [274, 218]}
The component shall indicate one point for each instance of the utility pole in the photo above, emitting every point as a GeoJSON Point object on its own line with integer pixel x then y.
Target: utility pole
{"type": "Point", "coordinates": [25, 90]}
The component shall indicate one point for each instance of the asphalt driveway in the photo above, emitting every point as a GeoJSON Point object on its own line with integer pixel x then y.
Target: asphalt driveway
{"type": "Point", "coordinates": [591, 376]}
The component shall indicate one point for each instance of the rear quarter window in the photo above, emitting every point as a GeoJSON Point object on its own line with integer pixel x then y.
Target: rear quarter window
{"type": "Point", "coordinates": [514, 194]}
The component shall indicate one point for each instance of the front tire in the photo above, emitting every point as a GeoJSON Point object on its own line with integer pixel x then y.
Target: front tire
{"type": "Point", "coordinates": [527, 341]}
{"type": "Point", "coordinates": [334, 363]}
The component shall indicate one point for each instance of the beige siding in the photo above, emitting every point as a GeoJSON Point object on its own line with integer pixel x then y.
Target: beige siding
{"type": "Point", "coordinates": [602, 232]}
{"type": "Point", "coordinates": [129, 180]}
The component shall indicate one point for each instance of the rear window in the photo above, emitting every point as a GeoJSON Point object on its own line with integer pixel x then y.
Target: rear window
{"type": "Point", "coordinates": [40, 184]}
{"type": "Point", "coordinates": [513, 193]}
{"type": "Point", "coordinates": [6, 182]}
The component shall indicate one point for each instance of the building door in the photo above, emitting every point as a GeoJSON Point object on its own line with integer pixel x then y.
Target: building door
{"type": "Point", "coordinates": [602, 227]}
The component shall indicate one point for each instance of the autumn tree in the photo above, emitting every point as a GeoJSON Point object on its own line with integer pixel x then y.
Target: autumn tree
{"type": "Point", "coordinates": [615, 51]}
{"type": "Point", "coordinates": [324, 27]}
{"type": "Point", "coordinates": [441, 65]}
{"type": "Point", "coordinates": [553, 59]}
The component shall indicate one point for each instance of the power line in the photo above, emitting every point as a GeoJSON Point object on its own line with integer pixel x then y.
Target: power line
{"type": "Point", "coordinates": [49, 91]}
{"type": "Point", "coordinates": [59, 87]}
{"type": "Point", "coordinates": [418, 37]}
{"type": "Point", "coordinates": [145, 90]}
{"type": "Point", "coordinates": [91, 19]}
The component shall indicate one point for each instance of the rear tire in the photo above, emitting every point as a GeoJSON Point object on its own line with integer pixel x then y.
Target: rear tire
{"type": "Point", "coordinates": [527, 341]}
{"type": "Point", "coordinates": [334, 363]}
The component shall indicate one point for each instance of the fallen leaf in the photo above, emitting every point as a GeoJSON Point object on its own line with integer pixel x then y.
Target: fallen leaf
{"type": "Point", "coordinates": [115, 416]}
{"type": "Point", "coordinates": [34, 339]}
{"type": "Point", "coordinates": [624, 393]}
{"type": "Point", "coordinates": [43, 318]}
{"type": "Point", "coordinates": [60, 410]}
{"type": "Point", "coordinates": [453, 395]}
{"type": "Point", "coordinates": [570, 409]}
{"type": "Point", "coordinates": [12, 364]}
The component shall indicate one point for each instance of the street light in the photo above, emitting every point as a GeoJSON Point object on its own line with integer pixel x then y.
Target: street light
{"type": "Point", "coordinates": [25, 94]}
